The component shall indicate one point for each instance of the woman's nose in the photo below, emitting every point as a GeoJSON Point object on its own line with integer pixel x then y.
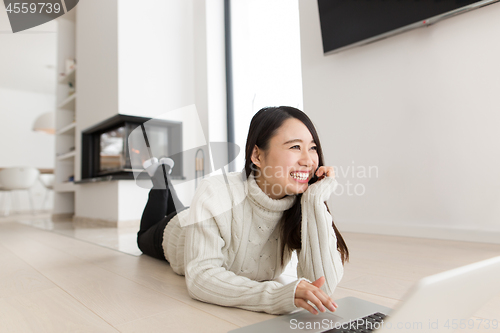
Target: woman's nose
{"type": "Point", "coordinates": [306, 159]}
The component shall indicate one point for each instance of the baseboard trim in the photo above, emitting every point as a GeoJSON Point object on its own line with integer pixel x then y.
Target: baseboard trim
{"type": "Point", "coordinates": [64, 217]}
{"type": "Point", "coordinates": [424, 231]}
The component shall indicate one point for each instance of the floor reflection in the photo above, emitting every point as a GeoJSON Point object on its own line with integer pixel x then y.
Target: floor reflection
{"type": "Point", "coordinates": [123, 239]}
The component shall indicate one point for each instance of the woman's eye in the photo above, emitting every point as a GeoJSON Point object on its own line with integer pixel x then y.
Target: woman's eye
{"type": "Point", "coordinates": [297, 146]}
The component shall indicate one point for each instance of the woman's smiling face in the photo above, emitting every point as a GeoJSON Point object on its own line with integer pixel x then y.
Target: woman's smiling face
{"type": "Point", "coordinates": [290, 161]}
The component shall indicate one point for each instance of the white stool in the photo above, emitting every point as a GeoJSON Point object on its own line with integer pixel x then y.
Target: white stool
{"type": "Point", "coordinates": [47, 181]}
{"type": "Point", "coordinates": [18, 178]}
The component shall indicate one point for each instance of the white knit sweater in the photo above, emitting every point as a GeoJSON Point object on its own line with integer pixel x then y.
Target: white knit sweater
{"type": "Point", "coordinates": [227, 244]}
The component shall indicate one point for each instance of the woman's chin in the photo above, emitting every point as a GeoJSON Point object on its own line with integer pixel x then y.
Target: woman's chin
{"type": "Point", "coordinates": [297, 188]}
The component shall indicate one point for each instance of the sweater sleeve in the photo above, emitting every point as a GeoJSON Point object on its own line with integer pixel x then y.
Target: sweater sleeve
{"type": "Point", "coordinates": [206, 277]}
{"type": "Point", "coordinates": [318, 255]}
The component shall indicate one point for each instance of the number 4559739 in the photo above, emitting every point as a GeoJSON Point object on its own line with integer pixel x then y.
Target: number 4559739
{"type": "Point", "coordinates": [24, 7]}
{"type": "Point", "coordinates": [471, 324]}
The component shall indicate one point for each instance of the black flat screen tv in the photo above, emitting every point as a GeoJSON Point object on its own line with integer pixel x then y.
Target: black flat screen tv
{"type": "Point", "coordinates": [349, 23]}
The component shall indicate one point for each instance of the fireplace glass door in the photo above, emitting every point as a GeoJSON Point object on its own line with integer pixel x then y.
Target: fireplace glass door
{"type": "Point", "coordinates": [112, 157]}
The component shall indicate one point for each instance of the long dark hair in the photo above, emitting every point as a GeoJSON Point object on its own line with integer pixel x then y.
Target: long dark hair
{"type": "Point", "coordinates": [263, 127]}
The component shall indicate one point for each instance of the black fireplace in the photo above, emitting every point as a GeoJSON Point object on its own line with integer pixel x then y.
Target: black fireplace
{"type": "Point", "coordinates": [109, 153]}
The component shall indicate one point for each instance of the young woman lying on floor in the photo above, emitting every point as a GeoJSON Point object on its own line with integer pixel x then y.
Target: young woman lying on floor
{"type": "Point", "coordinates": [242, 227]}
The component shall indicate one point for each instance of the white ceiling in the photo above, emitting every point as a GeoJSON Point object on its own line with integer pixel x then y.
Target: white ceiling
{"type": "Point", "coordinates": [28, 58]}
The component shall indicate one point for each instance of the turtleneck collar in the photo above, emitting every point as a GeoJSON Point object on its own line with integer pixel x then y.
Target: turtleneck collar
{"type": "Point", "coordinates": [262, 200]}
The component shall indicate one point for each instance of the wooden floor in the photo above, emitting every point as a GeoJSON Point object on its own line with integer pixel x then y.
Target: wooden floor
{"type": "Point", "coordinates": [50, 282]}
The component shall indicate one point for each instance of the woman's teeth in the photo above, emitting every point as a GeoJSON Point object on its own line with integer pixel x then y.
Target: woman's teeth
{"type": "Point", "coordinates": [299, 175]}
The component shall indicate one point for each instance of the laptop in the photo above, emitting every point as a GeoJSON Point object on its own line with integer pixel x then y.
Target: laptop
{"type": "Point", "coordinates": [439, 303]}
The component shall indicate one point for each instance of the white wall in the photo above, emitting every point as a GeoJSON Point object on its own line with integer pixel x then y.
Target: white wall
{"type": "Point", "coordinates": [156, 72]}
{"type": "Point", "coordinates": [421, 107]}
{"type": "Point", "coordinates": [150, 63]}
{"type": "Point", "coordinates": [28, 58]}
{"type": "Point", "coordinates": [20, 145]}
{"type": "Point", "coordinates": [97, 60]}
{"type": "Point", "coordinates": [163, 74]}
{"type": "Point", "coordinates": [97, 84]}
{"type": "Point", "coordinates": [27, 90]}
{"type": "Point", "coordinates": [216, 71]}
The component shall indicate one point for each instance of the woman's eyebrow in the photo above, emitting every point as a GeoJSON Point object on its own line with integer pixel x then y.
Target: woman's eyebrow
{"type": "Point", "coordinates": [295, 140]}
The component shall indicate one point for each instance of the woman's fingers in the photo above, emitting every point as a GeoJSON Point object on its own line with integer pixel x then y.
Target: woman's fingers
{"type": "Point", "coordinates": [326, 171]}
{"type": "Point", "coordinates": [311, 292]}
{"type": "Point", "coordinates": [304, 292]}
{"type": "Point", "coordinates": [315, 298]}
{"type": "Point", "coordinates": [320, 171]}
{"type": "Point", "coordinates": [308, 295]}
{"type": "Point", "coordinates": [299, 302]}
{"type": "Point", "coordinates": [319, 282]}
{"type": "Point", "coordinates": [325, 299]}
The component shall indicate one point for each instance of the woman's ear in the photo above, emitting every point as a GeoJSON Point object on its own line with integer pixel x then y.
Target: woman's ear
{"type": "Point", "coordinates": [256, 155]}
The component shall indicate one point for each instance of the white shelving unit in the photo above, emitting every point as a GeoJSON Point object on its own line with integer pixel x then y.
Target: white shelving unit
{"type": "Point", "coordinates": [66, 125]}
{"type": "Point", "coordinates": [70, 129]}
{"type": "Point", "coordinates": [69, 77]}
{"type": "Point", "coordinates": [66, 156]}
{"type": "Point", "coordinates": [68, 103]}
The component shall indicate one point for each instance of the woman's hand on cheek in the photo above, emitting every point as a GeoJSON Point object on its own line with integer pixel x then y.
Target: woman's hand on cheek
{"type": "Point", "coordinates": [325, 171]}
{"type": "Point", "coordinates": [311, 292]}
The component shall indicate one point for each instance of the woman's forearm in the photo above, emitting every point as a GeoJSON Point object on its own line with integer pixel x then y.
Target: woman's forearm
{"type": "Point", "coordinates": [319, 255]}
